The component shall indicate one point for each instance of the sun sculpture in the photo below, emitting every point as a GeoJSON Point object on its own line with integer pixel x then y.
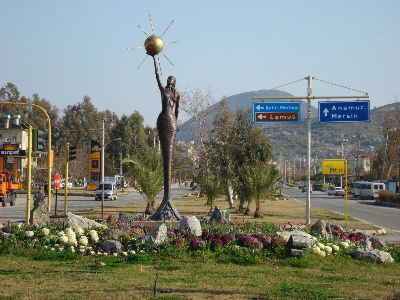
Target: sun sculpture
{"type": "Point", "coordinates": [166, 122]}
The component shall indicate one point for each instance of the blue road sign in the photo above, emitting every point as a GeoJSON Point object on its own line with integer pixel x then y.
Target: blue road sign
{"type": "Point", "coordinates": [276, 112]}
{"type": "Point", "coordinates": [343, 111]}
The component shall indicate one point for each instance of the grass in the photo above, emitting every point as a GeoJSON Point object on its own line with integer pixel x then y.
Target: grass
{"type": "Point", "coordinates": [308, 278]}
{"type": "Point", "coordinates": [275, 211]}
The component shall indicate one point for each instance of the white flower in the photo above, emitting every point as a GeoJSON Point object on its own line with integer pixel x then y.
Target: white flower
{"type": "Point", "coordinates": [95, 239]}
{"type": "Point", "coordinates": [99, 253]}
{"type": "Point", "coordinates": [344, 244]}
{"type": "Point", "coordinates": [81, 250]}
{"type": "Point", "coordinates": [316, 250]}
{"type": "Point", "coordinates": [124, 253]}
{"type": "Point", "coordinates": [328, 250]}
{"type": "Point", "coordinates": [321, 246]}
{"type": "Point", "coordinates": [60, 233]}
{"type": "Point", "coordinates": [29, 233]}
{"type": "Point", "coordinates": [79, 231]}
{"type": "Point", "coordinates": [105, 253]}
{"type": "Point", "coordinates": [60, 249]}
{"type": "Point", "coordinates": [45, 247]}
{"type": "Point", "coordinates": [335, 248]}
{"type": "Point", "coordinates": [83, 240]}
{"type": "Point", "coordinates": [322, 253]}
{"type": "Point", "coordinates": [46, 231]}
{"type": "Point", "coordinates": [53, 249]}
{"type": "Point", "coordinates": [132, 252]}
{"type": "Point", "coordinates": [56, 245]}
{"type": "Point", "coordinates": [63, 239]}
{"type": "Point", "coordinates": [89, 248]}
{"type": "Point", "coordinates": [69, 230]}
{"type": "Point", "coordinates": [72, 241]}
{"type": "Point", "coordinates": [115, 254]}
{"type": "Point", "coordinates": [20, 225]}
{"type": "Point", "coordinates": [71, 234]}
{"type": "Point", "coordinates": [92, 253]}
{"type": "Point", "coordinates": [92, 232]}
{"type": "Point", "coordinates": [1, 225]}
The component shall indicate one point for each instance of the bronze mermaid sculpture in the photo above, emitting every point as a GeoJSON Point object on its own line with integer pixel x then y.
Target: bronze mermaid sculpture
{"type": "Point", "coordinates": [167, 127]}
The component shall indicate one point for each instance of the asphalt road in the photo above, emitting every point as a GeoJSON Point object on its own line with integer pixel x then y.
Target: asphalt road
{"type": "Point", "coordinates": [366, 210]}
{"type": "Point", "coordinates": [76, 203]}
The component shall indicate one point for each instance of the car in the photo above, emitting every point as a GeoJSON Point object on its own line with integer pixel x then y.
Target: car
{"type": "Point", "coordinates": [302, 184]}
{"type": "Point", "coordinates": [110, 192]}
{"type": "Point", "coordinates": [304, 189]}
{"type": "Point", "coordinates": [317, 187]}
{"type": "Point", "coordinates": [336, 191]}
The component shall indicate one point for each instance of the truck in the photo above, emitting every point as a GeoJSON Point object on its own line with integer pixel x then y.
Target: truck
{"type": "Point", "coordinates": [110, 191]}
{"type": "Point", "coordinates": [8, 189]}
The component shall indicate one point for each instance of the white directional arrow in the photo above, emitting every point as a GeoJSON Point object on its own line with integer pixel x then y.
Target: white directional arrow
{"type": "Point", "coordinates": [259, 107]}
{"type": "Point", "coordinates": [325, 112]}
{"type": "Point", "coordinates": [261, 116]}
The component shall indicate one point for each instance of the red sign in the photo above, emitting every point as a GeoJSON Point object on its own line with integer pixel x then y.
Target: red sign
{"type": "Point", "coordinates": [277, 116]}
{"type": "Point", "coordinates": [57, 181]}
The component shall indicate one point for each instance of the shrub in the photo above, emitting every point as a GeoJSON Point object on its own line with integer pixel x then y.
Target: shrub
{"type": "Point", "coordinates": [389, 196]}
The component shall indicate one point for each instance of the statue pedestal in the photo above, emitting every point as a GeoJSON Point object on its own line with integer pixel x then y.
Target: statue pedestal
{"type": "Point", "coordinates": [166, 212]}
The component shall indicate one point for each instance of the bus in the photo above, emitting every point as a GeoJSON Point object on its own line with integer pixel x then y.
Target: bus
{"type": "Point", "coordinates": [367, 189]}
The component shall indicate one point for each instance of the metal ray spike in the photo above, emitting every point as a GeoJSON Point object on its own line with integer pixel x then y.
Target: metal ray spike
{"type": "Point", "coordinates": [175, 42]}
{"type": "Point", "coordinates": [134, 48]}
{"type": "Point", "coordinates": [166, 29]}
{"type": "Point", "coordinates": [159, 65]}
{"type": "Point", "coordinates": [168, 59]}
{"type": "Point", "coordinates": [151, 24]}
{"type": "Point", "coordinates": [143, 30]}
{"type": "Point", "coordinates": [142, 62]}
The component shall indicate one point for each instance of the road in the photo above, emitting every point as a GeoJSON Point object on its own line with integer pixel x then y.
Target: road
{"type": "Point", "coordinates": [76, 203]}
{"type": "Point", "coordinates": [366, 210]}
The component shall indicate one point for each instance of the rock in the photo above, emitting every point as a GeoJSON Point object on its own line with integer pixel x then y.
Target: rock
{"type": "Point", "coordinates": [377, 242]}
{"type": "Point", "coordinates": [122, 217]}
{"type": "Point", "coordinates": [191, 224]}
{"type": "Point", "coordinates": [367, 244]}
{"type": "Point", "coordinates": [335, 227]}
{"type": "Point", "coordinates": [220, 216]}
{"type": "Point", "coordinates": [156, 237]}
{"type": "Point", "coordinates": [286, 235]}
{"type": "Point", "coordinates": [320, 228]}
{"type": "Point", "coordinates": [111, 246]}
{"type": "Point", "coordinates": [139, 217]}
{"type": "Point", "coordinates": [40, 215]}
{"type": "Point", "coordinates": [295, 253]}
{"type": "Point", "coordinates": [372, 254]}
{"type": "Point", "coordinates": [75, 221]}
{"type": "Point", "coordinates": [300, 242]}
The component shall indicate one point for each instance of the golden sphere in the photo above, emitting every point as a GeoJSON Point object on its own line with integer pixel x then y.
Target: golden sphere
{"type": "Point", "coordinates": [153, 45]}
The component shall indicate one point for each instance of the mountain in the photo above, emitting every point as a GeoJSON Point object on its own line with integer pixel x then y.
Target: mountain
{"type": "Point", "coordinates": [291, 139]}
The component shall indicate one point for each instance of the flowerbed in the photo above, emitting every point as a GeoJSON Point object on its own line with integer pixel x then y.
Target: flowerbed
{"type": "Point", "coordinates": [245, 243]}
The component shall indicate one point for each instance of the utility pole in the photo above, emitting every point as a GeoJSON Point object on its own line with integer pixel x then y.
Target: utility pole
{"type": "Point", "coordinates": [294, 168]}
{"type": "Point", "coordinates": [102, 168]}
{"type": "Point", "coordinates": [66, 179]}
{"type": "Point", "coordinates": [29, 186]}
{"type": "Point", "coordinates": [309, 116]}
{"type": "Point", "coordinates": [309, 97]}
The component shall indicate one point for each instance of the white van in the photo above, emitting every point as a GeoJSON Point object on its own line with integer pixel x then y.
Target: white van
{"type": "Point", "coordinates": [366, 189]}
{"type": "Point", "coordinates": [110, 192]}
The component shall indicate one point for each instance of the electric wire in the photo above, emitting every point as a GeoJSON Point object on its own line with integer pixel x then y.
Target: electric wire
{"type": "Point", "coordinates": [339, 85]}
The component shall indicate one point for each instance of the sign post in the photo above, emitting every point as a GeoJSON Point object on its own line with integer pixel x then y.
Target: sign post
{"type": "Point", "coordinates": [276, 112]}
{"type": "Point", "coordinates": [343, 111]}
{"type": "Point", "coordinates": [337, 167]}
{"type": "Point", "coordinates": [57, 182]}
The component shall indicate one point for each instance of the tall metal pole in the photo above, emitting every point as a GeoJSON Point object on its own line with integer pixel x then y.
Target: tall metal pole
{"type": "Point", "coordinates": [28, 188]}
{"type": "Point", "coordinates": [66, 179]}
{"type": "Point", "coordinates": [102, 169]}
{"type": "Point", "coordinates": [308, 202]}
{"type": "Point", "coordinates": [49, 162]}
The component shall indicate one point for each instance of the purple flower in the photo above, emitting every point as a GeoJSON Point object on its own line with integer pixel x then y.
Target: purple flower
{"type": "Point", "coordinates": [226, 238]}
{"type": "Point", "coordinates": [215, 243]}
{"type": "Point", "coordinates": [178, 242]}
{"type": "Point", "coordinates": [264, 239]}
{"type": "Point", "coordinates": [196, 244]}
{"type": "Point", "coordinates": [250, 242]}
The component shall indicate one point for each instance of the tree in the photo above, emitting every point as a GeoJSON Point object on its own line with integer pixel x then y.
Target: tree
{"type": "Point", "coordinates": [149, 176]}
{"type": "Point", "coordinates": [259, 180]}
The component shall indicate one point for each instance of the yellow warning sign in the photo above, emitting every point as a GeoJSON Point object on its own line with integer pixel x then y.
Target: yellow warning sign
{"type": "Point", "coordinates": [333, 167]}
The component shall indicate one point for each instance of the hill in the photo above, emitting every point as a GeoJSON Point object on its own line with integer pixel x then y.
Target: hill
{"type": "Point", "coordinates": [291, 139]}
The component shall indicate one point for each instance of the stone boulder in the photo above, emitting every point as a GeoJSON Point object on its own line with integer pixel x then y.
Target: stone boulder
{"type": "Point", "coordinates": [377, 242]}
{"type": "Point", "coordinates": [300, 242]}
{"type": "Point", "coordinates": [191, 224]}
{"type": "Point", "coordinates": [220, 216]}
{"type": "Point", "coordinates": [295, 253]}
{"type": "Point", "coordinates": [156, 237]}
{"type": "Point", "coordinates": [40, 215]}
{"type": "Point", "coordinates": [372, 254]}
{"type": "Point", "coordinates": [122, 217]}
{"type": "Point", "coordinates": [286, 235]}
{"type": "Point", "coordinates": [75, 221]}
{"type": "Point", "coordinates": [320, 228]}
{"type": "Point", "coordinates": [111, 246]}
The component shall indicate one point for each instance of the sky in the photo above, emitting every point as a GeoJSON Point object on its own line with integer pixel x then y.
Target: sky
{"type": "Point", "coordinates": [64, 50]}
